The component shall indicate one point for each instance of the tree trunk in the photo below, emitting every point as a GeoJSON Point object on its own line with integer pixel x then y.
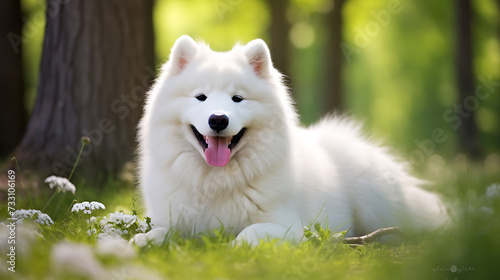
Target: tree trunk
{"type": "Point", "coordinates": [279, 31]}
{"type": "Point", "coordinates": [97, 63]}
{"type": "Point", "coordinates": [12, 111]}
{"type": "Point", "coordinates": [332, 96]}
{"type": "Point", "coordinates": [468, 133]}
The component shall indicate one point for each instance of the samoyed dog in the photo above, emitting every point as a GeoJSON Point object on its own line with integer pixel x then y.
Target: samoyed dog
{"type": "Point", "coordinates": [220, 144]}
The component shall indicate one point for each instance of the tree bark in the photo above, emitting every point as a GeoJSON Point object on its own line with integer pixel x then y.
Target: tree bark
{"type": "Point", "coordinates": [279, 31]}
{"type": "Point", "coordinates": [468, 133]}
{"type": "Point", "coordinates": [97, 63]}
{"type": "Point", "coordinates": [332, 95]}
{"type": "Point", "coordinates": [13, 111]}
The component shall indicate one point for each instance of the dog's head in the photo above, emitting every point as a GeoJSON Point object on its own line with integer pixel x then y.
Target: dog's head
{"type": "Point", "coordinates": [221, 100]}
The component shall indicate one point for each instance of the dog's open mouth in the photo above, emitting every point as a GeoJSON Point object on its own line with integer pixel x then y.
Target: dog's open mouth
{"type": "Point", "coordinates": [217, 148]}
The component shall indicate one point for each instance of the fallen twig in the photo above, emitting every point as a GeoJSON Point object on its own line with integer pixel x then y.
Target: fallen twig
{"type": "Point", "coordinates": [372, 236]}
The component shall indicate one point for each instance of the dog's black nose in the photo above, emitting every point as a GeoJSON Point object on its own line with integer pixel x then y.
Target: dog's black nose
{"type": "Point", "coordinates": [218, 122]}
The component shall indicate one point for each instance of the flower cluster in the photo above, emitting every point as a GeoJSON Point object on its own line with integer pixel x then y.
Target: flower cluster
{"type": "Point", "coordinates": [125, 220]}
{"type": "Point", "coordinates": [60, 184]}
{"type": "Point", "coordinates": [119, 223]}
{"type": "Point", "coordinates": [35, 215]}
{"type": "Point", "coordinates": [87, 207]}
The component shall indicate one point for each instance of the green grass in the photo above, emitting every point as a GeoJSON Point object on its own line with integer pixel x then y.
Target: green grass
{"type": "Point", "coordinates": [472, 245]}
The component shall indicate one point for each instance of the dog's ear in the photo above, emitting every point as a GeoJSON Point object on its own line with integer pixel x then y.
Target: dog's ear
{"type": "Point", "coordinates": [258, 56]}
{"type": "Point", "coordinates": [183, 51]}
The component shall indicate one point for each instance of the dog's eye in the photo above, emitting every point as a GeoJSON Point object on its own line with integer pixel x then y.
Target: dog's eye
{"type": "Point", "coordinates": [201, 97]}
{"type": "Point", "coordinates": [237, 98]}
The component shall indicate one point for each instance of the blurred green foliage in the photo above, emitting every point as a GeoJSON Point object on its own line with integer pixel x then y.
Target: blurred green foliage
{"type": "Point", "coordinates": [33, 31]}
{"type": "Point", "coordinates": [404, 80]}
{"type": "Point", "coordinates": [400, 79]}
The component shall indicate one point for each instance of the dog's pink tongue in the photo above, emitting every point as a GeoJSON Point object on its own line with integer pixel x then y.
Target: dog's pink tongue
{"type": "Point", "coordinates": [217, 153]}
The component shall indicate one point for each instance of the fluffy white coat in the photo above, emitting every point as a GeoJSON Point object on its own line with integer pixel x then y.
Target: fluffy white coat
{"type": "Point", "coordinates": [280, 176]}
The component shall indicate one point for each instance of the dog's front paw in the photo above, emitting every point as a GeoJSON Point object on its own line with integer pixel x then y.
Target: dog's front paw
{"type": "Point", "coordinates": [155, 237]}
{"type": "Point", "coordinates": [253, 234]}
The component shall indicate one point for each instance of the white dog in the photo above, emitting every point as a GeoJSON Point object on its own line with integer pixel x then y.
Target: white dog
{"type": "Point", "coordinates": [220, 143]}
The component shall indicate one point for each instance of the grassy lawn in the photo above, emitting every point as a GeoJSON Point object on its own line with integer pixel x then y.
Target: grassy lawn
{"type": "Point", "coordinates": [470, 249]}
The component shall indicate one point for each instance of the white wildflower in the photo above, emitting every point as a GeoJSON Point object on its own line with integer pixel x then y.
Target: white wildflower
{"type": "Point", "coordinates": [87, 207]}
{"type": "Point", "coordinates": [110, 231]}
{"type": "Point", "coordinates": [60, 184]}
{"type": "Point", "coordinates": [493, 191]}
{"type": "Point", "coordinates": [96, 205]}
{"type": "Point", "coordinates": [114, 231]}
{"type": "Point", "coordinates": [35, 215]}
{"type": "Point", "coordinates": [90, 233]}
{"type": "Point", "coordinates": [119, 223]}
{"type": "Point", "coordinates": [143, 226]}
{"type": "Point", "coordinates": [103, 221]}
{"type": "Point", "coordinates": [120, 218]}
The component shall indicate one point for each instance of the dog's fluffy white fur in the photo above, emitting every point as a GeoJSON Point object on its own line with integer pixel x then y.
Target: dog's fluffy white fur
{"type": "Point", "coordinates": [280, 176]}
